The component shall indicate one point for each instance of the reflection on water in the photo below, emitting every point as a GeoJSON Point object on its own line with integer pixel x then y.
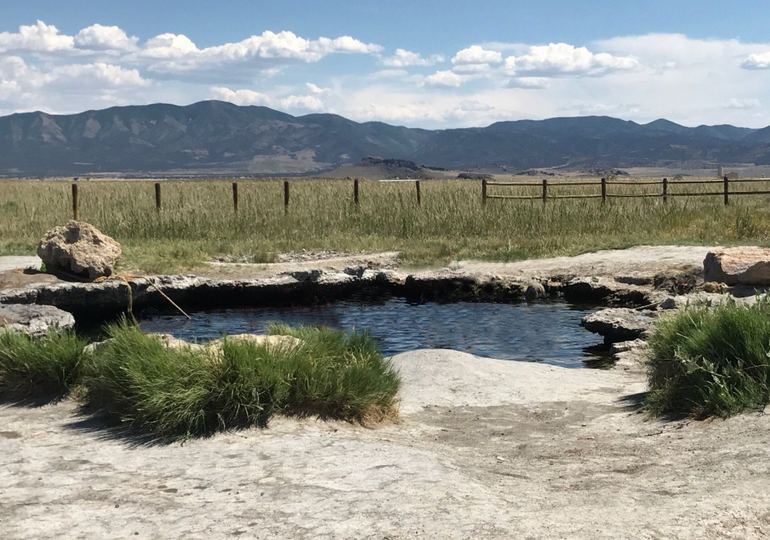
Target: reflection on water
{"type": "Point", "coordinates": [547, 332]}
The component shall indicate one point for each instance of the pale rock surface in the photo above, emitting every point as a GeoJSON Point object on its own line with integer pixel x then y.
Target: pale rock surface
{"type": "Point", "coordinates": [619, 324]}
{"type": "Point", "coordinates": [79, 248]}
{"type": "Point", "coordinates": [34, 320]}
{"type": "Point", "coordinates": [738, 266]}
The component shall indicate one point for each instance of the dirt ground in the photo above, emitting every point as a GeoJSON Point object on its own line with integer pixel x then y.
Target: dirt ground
{"type": "Point", "coordinates": [485, 449]}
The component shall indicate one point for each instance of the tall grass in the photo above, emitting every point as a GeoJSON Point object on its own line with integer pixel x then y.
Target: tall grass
{"type": "Point", "coordinates": [46, 368]}
{"type": "Point", "coordinates": [197, 220]}
{"type": "Point", "coordinates": [711, 361]}
{"type": "Point", "coordinates": [177, 393]}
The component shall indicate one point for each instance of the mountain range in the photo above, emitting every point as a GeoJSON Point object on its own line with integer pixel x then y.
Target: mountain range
{"type": "Point", "coordinates": [214, 137]}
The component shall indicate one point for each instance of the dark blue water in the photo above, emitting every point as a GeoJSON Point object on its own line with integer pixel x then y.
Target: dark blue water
{"type": "Point", "coordinates": [548, 332]}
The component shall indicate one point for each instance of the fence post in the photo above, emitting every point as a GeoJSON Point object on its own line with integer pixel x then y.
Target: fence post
{"type": "Point", "coordinates": [483, 192]}
{"type": "Point", "coordinates": [727, 190]}
{"type": "Point", "coordinates": [355, 192]}
{"type": "Point", "coordinates": [285, 196]}
{"type": "Point", "coordinates": [545, 190]}
{"type": "Point", "coordinates": [604, 190]}
{"type": "Point", "coordinates": [419, 198]}
{"type": "Point", "coordinates": [74, 201]}
{"type": "Point", "coordinates": [157, 196]}
{"type": "Point", "coordinates": [235, 197]}
{"type": "Point", "coordinates": [665, 190]}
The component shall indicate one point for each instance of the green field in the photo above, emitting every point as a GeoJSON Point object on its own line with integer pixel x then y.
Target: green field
{"type": "Point", "coordinates": [197, 221]}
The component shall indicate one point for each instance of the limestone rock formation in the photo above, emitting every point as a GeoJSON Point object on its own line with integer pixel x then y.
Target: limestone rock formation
{"type": "Point", "coordinates": [79, 248]}
{"type": "Point", "coordinates": [619, 324]}
{"type": "Point", "coordinates": [34, 320]}
{"type": "Point", "coordinates": [738, 266]}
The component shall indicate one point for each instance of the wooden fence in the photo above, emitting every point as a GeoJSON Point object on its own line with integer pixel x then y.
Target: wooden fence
{"type": "Point", "coordinates": [286, 193]}
{"type": "Point", "coordinates": [545, 189]}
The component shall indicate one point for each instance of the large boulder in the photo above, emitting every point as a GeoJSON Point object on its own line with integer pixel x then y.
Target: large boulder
{"type": "Point", "coordinates": [34, 320]}
{"type": "Point", "coordinates": [738, 266]}
{"type": "Point", "coordinates": [620, 324]}
{"type": "Point", "coordinates": [79, 248]}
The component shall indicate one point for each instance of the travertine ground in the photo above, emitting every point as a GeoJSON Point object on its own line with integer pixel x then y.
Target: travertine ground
{"type": "Point", "coordinates": [485, 449]}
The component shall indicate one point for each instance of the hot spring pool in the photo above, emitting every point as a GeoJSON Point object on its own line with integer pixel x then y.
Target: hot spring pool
{"type": "Point", "coordinates": [547, 332]}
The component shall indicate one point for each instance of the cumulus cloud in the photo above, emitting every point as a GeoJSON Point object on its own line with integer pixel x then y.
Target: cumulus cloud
{"type": "Point", "coordinates": [306, 103]}
{"type": "Point", "coordinates": [239, 97]}
{"type": "Point", "coordinates": [316, 90]}
{"type": "Point", "coordinates": [445, 78]}
{"type": "Point", "coordinates": [38, 37]}
{"type": "Point", "coordinates": [470, 69]}
{"type": "Point", "coordinates": [169, 45]}
{"type": "Point", "coordinates": [302, 103]}
{"type": "Point", "coordinates": [98, 73]}
{"type": "Point", "coordinates": [405, 58]}
{"type": "Point", "coordinates": [476, 54]}
{"type": "Point", "coordinates": [98, 37]}
{"type": "Point", "coordinates": [558, 59]}
{"type": "Point", "coordinates": [757, 61]}
{"type": "Point", "coordinates": [742, 104]}
{"type": "Point", "coordinates": [529, 83]}
{"type": "Point", "coordinates": [178, 53]}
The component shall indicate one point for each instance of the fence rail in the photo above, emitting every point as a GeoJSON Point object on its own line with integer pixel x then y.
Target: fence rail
{"type": "Point", "coordinates": [545, 191]}
{"type": "Point", "coordinates": [356, 198]}
{"type": "Point", "coordinates": [546, 188]}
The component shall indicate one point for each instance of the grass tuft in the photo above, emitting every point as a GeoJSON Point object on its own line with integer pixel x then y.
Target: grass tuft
{"type": "Point", "coordinates": [339, 375]}
{"type": "Point", "coordinates": [711, 361]}
{"type": "Point", "coordinates": [39, 369]}
{"type": "Point", "coordinates": [179, 393]}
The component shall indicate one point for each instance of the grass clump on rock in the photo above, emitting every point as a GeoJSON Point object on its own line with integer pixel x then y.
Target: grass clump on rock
{"type": "Point", "coordinates": [190, 391]}
{"type": "Point", "coordinates": [45, 368]}
{"type": "Point", "coordinates": [711, 361]}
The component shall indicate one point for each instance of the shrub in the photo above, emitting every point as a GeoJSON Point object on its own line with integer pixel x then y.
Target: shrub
{"type": "Point", "coordinates": [45, 368]}
{"type": "Point", "coordinates": [173, 393]}
{"type": "Point", "coordinates": [711, 361]}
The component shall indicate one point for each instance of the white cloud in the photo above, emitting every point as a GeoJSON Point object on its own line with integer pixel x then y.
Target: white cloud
{"type": "Point", "coordinates": [743, 104]}
{"type": "Point", "coordinates": [108, 38]}
{"type": "Point", "coordinates": [98, 73]}
{"type": "Point", "coordinates": [178, 53]}
{"type": "Point", "coordinates": [301, 103]}
{"type": "Point", "coordinates": [475, 54]}
{"type": "Point", "coordinates": [406, 58]}
{"type": "Point", "coordinates": [469, 69]}
{"type": "Point", "coordinates": [316, 90]}
{"type": "Point", "coordinates": [556, 59]}
{"type": "Point", "coordinates": [239, 97]}
{"type": "Point", "coordinates": [169, 46]}
{"type": "Point", "coordinates": [444, 78]}
{"type": "Point", "coordinates": [38, 37]}
{"type": "Point", "coordinates": [757, 61]}
{"type": "Point", "coordinates": [529, 83]}
{"type": "Point", "coordinates": [251, 97]}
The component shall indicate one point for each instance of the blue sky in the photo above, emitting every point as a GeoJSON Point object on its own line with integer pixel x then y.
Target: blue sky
{"type": "Point", "coordinates": [420, 63]}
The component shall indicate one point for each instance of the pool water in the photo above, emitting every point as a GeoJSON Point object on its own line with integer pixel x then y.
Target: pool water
{"type": "Point", "coordinates": [547, 332]}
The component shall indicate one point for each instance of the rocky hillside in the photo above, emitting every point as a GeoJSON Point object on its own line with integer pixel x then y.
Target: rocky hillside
{"type": "Point", "coordinates": [213, 137]}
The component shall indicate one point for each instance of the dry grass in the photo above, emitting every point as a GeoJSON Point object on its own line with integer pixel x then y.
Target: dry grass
{"type": "Point", "coordinates": [197, 221]}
